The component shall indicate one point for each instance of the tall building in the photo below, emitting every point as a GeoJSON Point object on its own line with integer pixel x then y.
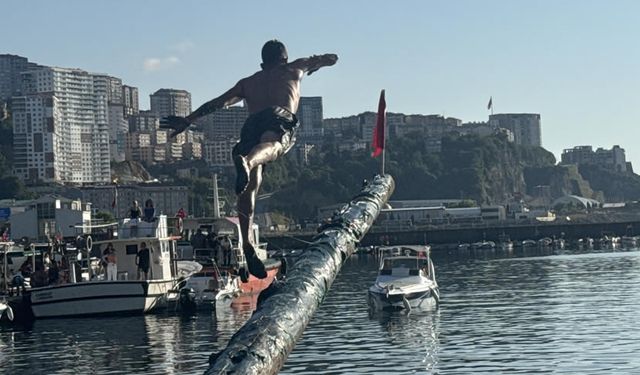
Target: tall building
{"type": "Point", "coordinates": [309, 115]}
{"type": "Point", "coordinates": [614, 158]}
{"type": "Point", "coordinates": [171, 102]}
{"type": "Point", "coordinates": [224, 123]}
{"type": "Point", "coordinates": [10, 68]}
{"type": "Point", "coordinates": [130, 100]}
{"type": "Point", "coordinates": [217, 152]}
{"type": "Point", "coordinates": [144, 121]}
{"type": "Point", "coordinates": [61, 127]}
{"type": "Point", "coordinates": [118, 126]}
{"type": "Point", "coordinates": [525, 127]}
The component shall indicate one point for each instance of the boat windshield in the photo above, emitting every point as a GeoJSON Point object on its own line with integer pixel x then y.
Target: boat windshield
{"type": "Point", "coordinates": [410, 263]}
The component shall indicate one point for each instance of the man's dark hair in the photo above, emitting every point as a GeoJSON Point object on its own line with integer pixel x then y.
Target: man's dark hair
{"type": "Point", "coordinates": [273, 52]}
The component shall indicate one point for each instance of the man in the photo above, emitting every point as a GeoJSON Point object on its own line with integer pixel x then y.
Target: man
{"type": "Point", "coordinates": [272, 96]}
{"type": "Point", "coordinates": [143, 260]}
{"type": "Point", "coordinates": [135, 212]}
{"type": "Point", "coordinates": [112, 264]}
{"type": "Point", "coordinates": [198, 240]}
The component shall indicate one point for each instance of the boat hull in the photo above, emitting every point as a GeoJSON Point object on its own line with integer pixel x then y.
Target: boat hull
{"type": "Point", "coordinates": [381, 300]}
{"type": "Point", "coordinates": [255, 285]}
{"type": "Point", "coordinates": [99, 298]}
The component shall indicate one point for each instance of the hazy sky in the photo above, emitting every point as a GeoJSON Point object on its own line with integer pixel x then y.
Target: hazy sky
{"type": "Point", "coordinates": [577, 63]}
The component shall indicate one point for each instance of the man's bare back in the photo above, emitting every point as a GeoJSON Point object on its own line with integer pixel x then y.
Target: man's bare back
{"type": "Point", "coordinates": [277, 85]}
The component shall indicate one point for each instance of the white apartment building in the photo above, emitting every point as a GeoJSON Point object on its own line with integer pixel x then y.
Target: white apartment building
{"type": "Point", "coordinates": [61, 127]}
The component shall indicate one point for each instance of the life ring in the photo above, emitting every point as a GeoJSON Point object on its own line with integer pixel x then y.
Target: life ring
{"type": "Point", "coordinates": [89, 243]}
{"type": "Point", "coordinates": [179, 225]}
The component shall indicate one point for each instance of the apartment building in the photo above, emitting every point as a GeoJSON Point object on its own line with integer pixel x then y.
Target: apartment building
{"type": "Point", "coordinates": [61, 127]}
{"type": "Point", "coordinates": [170, 102]}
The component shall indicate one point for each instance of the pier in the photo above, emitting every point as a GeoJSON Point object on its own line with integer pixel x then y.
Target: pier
{"type": "Point", "coordinates": [452, 234]}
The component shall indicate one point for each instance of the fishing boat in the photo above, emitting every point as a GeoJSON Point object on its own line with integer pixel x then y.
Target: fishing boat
{"type": "Point", "coordinates": [83, 290]}
{"type": "Point", "coordinates": [224, 277]}
{"type": "Point", "coordinates": [405, 281]}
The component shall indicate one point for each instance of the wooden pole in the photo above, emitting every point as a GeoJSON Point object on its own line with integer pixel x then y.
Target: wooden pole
{"type": "Point", "coordinates": [263, 344]}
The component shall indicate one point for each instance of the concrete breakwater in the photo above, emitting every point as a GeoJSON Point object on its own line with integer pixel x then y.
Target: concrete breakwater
{"type": "Point", "coordinates": [469, 234]}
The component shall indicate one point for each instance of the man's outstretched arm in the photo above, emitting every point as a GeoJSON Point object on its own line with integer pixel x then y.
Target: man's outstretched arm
{"type": "Point", "coordinates": [180, 124]}
{"type": "Point", "coordinates": [315, 62]}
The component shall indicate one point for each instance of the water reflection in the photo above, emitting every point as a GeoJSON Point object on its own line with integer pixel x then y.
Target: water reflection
{"type": "Point", "coordinates": [150, 344]}
{"type": "Point", "coordinates": [525, 311]}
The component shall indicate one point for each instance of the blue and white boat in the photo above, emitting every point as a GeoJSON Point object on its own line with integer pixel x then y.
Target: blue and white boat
{"type": "Point", "coordinates": [85, 292]}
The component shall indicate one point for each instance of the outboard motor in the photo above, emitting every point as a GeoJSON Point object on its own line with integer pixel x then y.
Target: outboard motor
{"type": "Point", "coordinates": [187, 299]}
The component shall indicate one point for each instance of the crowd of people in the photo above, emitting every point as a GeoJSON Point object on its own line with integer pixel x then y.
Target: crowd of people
{"type": "Point", "coordinates": [221, 245]}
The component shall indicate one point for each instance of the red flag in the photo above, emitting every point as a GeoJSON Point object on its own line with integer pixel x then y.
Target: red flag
{"type": "Point", "coordinates": [378, 132]}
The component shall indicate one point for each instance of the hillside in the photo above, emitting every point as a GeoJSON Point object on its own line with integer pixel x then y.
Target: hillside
{"type": "Point", "coordinates": [488, 170]}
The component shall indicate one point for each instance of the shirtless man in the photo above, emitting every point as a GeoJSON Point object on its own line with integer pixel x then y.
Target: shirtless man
{"type": "Point", "coordinates": [272, 96]}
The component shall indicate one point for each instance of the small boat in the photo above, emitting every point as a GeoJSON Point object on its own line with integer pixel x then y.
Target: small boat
{"type": "Point", "coordinates": [6, 312]}
{"type": "Point", "coordinates": [483, 245]}
{"type": "Point", "coordinates": [222, 258]}
{"type": "Point", "coordinates": [545, 242]}
{"type": "Point", "coordinates": [405, 281]}
{"type": "Point", "coordinates": [529, 243]}
{"type": "Point", "coordinates": [504, 243]}
{"type": "Point", "coordinates": [629, 242]}
{"type": "Point", "coordinates": [463, 246]}
{"type": "Point", "coordinates": [206, 289]}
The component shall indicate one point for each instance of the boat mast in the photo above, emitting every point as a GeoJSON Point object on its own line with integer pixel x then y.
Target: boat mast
{"type": "Point", "coordinates": [216, 201]}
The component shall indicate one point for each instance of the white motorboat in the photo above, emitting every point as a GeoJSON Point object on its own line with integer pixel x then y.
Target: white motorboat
{"type": "Point", "coordinates": [5, 310]}
{"type": "Point", "coordinates": [405, 281]}
{"type": "Point", "coordinates": [207, 288]}
{"type": "Point", "coordinates": [82, 291]}
{"type": "Point", "coordinates": [629, 242]}
{"type": "Point", "coordinates": [220, 281]}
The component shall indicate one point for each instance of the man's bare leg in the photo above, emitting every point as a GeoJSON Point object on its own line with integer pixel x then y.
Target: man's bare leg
{"type": "Point", "coordinates": [246, 208]}
{"type": "Point", "coordinates": [269, 149]}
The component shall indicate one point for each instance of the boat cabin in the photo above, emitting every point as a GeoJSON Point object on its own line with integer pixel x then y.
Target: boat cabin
{"type": "Point", "coordinates": [218, 240]}
{"type": "Point", "coordinates": [402, 266]}
{"type": "Point", "coordinates": [129, 239]}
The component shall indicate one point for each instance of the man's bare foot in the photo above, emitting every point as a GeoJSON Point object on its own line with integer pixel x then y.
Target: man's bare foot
{"type": "Point", "coordinates": [242, 173]}
{"type": "Point", "coordinates": [256, 268]}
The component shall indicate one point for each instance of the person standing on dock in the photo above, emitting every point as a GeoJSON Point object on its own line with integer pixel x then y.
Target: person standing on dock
{"type": "Point", "coordinates": [272, 96]}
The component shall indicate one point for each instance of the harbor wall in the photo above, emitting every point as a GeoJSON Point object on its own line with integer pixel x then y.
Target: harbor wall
{"type": "Point", "coordinates": [469, 234]}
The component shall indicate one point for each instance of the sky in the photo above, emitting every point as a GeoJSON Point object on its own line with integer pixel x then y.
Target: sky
{"type": "Point", "coordinates": [575, 62]}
